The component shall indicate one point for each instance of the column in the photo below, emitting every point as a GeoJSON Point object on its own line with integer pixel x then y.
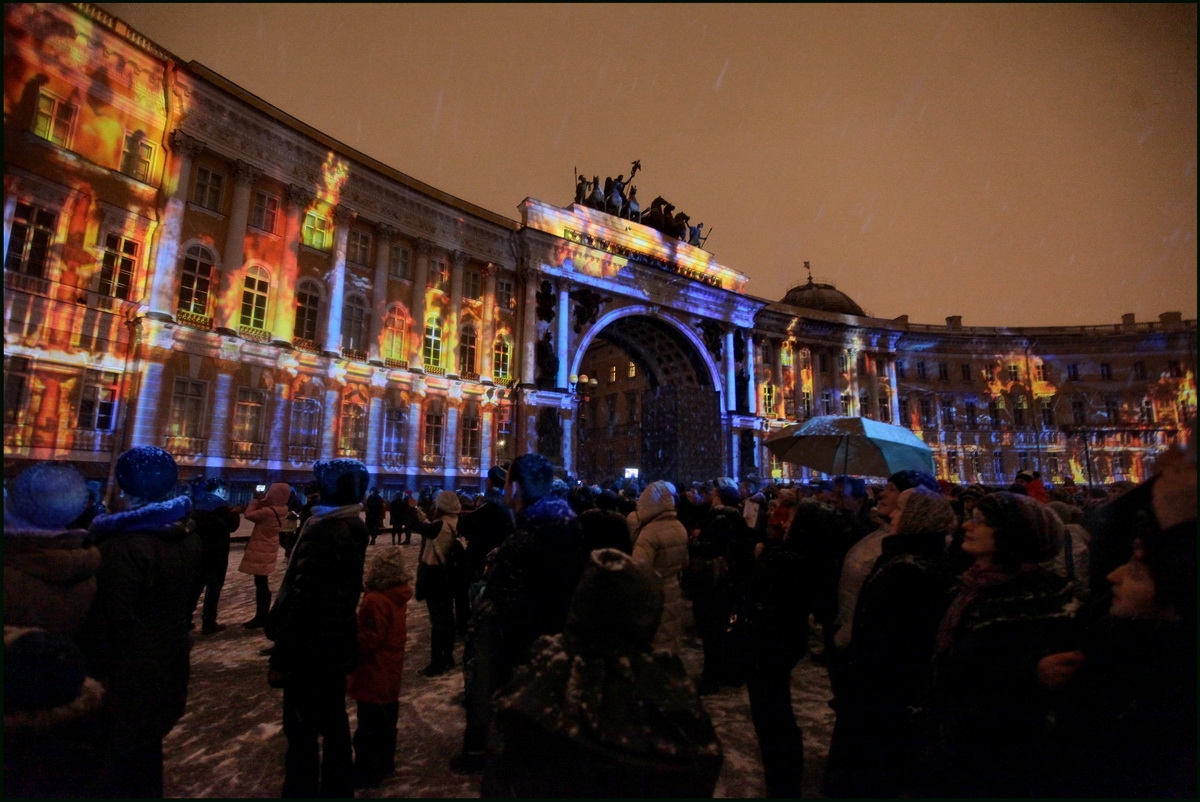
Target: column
{"type": "Point", "coordinates": [818, 385]}
{"type": "Point", "coordinates": [379, 297]}
{"type": "Point", "coordinates": [450, 447]}
{"type": "Point", "coordinates": [416, 342]}
{"type": "Point", "coordinates": [754, 344]}
{"type": "Point", "coordinates": [218, 431]}
{"type": "Point", "coordinates": [487, 337]}
{"type": "Point", "coordinates": [458, 265]}
{"type": "Point", "coordinates": [415, 421]}
{"type": "Point", "coordinates": [276, 441]}
{"type": "Point", "coordinates": [283, 326]}
{"type": "Point", "coordinates": [228, 298]}
{"type": "Point", "coordinates": [777, 377]}
{"type": "Point", "coordinates": [333, 413]}
{"type": "Point", "coordinates": [564, 337]}
{"type": "Point", "coordinates": [730, 377]}
{"type": "Point", "coordinates": [873, 374]}
{"type": "Point", "coordinates": [374, 429]}
{"type": "Point", "coordinates": [529, 327]}
{"type": "Point", "coordinates": [487, 448]}
{"type": "Point", "coordinates": [835, 386]}
{"type": "Point", "coordinates": [852, 376]}
{"type": "Point", "coordinates": [894, 397]}
{"type": "Point", "coordinates": [337, 281]}
{"type": "Point", "coordinates": [150, 397]}
{"type": "Point", "coordinates": [798, 379]}
{"type": "Point", "coordinates": [569, 456]}
{"type": "Point", "coordinates": [165, 276]}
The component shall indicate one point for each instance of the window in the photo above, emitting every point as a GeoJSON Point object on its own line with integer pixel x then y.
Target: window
{"type": "Point", "coordinates": [502, 359]}
{"type": "Point", "coordinates": [116, 272]}
{"type": "Point", "coordinates": [439, 275]}
{"type": "Point", "coordinates": [1146, 411]}
{"type": "Point", "coordinates": [266, 211]}
{"type": "Point", "coordinates": [899, 369]}
{"type": "Point", "coordinates": [1047, 412]}
{"type": "Point", "coordinates": [400, 263]}
{"type": "Point", "coordinates": [1039, 371]}
{"type": "Point", "coordinates": [308, 307]}
{"type": "Point", "coordinates": [862, 364]}
{"type": "Point", "coordinates": [881, 368]}
{"type": "Point", "coordinates": [16, 384]}
{"type": "Point", "coordinates": [768, 399]}
{"type": "Point", "coordinates": [207, 192]}
{"type": "Point", "coordinates": [1078, 411]}
{"type": "Point", "coordinates": [248, 416]}
{"type": "Point", "coordinates": [632, 369]}
{"type": "Point", "coordinates": [137, 156]}
{"type": "Point", "coordinates": [612, 374]}
{"type": "Point", "coordinates": [395, 431]}
{"type": "Point", "coordinates": [1139, 370]}
{"type": "Point", "coordinates": [965, 369]}
{"type": "Point", "coordinates": [1112, 410]}
{"type": "Point", "coordinates": [395, 330]}
{"type": "Point", "coordinates": [1014, 373]}
{"type": "Point", "coordinates": [921, 373]}
{"type": "Point", "coordinates": [29, 243]}
{"type": "Point", "coordinates": [1105, 371]}
{"type": "Point", "coordinates": [944, 371]}
{"type": "Point", "coordinates": [843, 363]}
{"type": "Point", "coordinates": [504, 293]}
{"type": "Point", "coordinates": [631, 407]}
{"type": "Point", "coordinates": [316, 231]}
{"type": "Point", "coordinates": [469, 424]}
{"type": "Point", "coordinates": [472, 284]}
{"type": "Point", "coordinates": [431, 353]}
{"type": "Point", "coordinates": [1019, 411]}
{"type": "Point", "coordinates": [885, 406]}
{"type": "Point", "coordinates": [994, 412]}
{"type": "Point", "coordinates": [847, 409]}
{"type": "Point", "coordinates": [306, 423]}
{"type": "Point", "coordinates": [434, 425]}
{"type": "Point", "coordinates": [255, 290]}
{"type": "Point", "coordinates": [98, 401]}
{"type": "Point", "coordinates": [786, 355]}
{"type": "Point", "coordinates": [864, 405]}
{"type": "Point", "coordinates": [971, 411]}
{"type": "Point", "coordinates": [1072, 372]}
{"type": "Point", "coordinates": [998, 464]}
{"type": "Point", "coordinates": [195, 281]}
{"type": "Point", "coordinates": [467, 346]}
{"type": "Point", "coordinates": [826, 403]}
{"type": "Point", "coordinates": [354, 324]}
{"type": "Point", "coordinates": [1023, 461]}
{"type": "Point", "coordinates": [926, 405]}
{"type": "Point", "coordinates": [187, 409]}
{"type": "Point", "coordinates": [358, 248]}
{"type": "Point", "coordinates": [806, 403]}
{"type": "Point", "coordinates": [55, 119]}
{"type": "Point", "coordinates": [352, 439]}
{"type": "Point", "coordinates": [948, 412]}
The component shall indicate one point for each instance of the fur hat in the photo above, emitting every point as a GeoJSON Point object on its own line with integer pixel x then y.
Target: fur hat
{"type": "Point", "coordinates": [1027, 531]}
{"type": "Point", "coordinates": [46, 497]}
{"type": "Point", "coordinates": [497, 475]}
{"type": "Point", "coordinates": [617, 605]}
{"type": "Point", "coordinates": [926, 512]}
{"type": "Point", "coordinates": [147, 473]}
{"type": "Point", "coordinates": [341, 481]}
{"type": "Point", "coordinates": [386, 568]}
{"type": "Point", "coordinates": [448, 503]}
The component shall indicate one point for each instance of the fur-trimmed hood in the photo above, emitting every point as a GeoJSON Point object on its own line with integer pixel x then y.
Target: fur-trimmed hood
{"type": "Point", "coordinates": [156, 516]}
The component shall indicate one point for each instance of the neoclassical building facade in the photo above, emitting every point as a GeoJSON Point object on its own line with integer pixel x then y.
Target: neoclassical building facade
{"type": "Point", "coordinates": [189, 267]}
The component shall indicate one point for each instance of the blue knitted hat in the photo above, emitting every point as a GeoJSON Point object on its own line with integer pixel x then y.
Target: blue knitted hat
{"type": "Point", "coordinates": [147, 473]}
{"type": "Point", "coordinates": [48, 495]}
{"type": "Point", "coordinates": [342, 481]}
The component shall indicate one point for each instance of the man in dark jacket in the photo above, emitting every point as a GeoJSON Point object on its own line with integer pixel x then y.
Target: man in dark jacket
{"type": "Point", "coordinates": [136, 639]}
{"type": "Point", "coordinates": [375, 512]}
{"type": "Point", "coordinates": [214, 522]}
{"type": "Point", "coordinates": [315, 629]}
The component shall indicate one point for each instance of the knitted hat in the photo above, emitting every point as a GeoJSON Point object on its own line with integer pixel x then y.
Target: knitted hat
{"type": "Point", "coordinates": [497, 475]}
{"type": "Point", "coordinates": [617, 605]}
{"type": "Point", "coordinates": [47, 496]}
{"type": "Point", "coordinates": [341, 481]}
{"type": "Point", "coordinates": [386, 568]}
{"type": "Point", "coordinates": [147, 473]}
{"type": "Point", "coordinates": [926, 512]}
{"type": "Point", "coordinates": [447, 502]}
{"type": "Point", "coordinates": [1027, 531]}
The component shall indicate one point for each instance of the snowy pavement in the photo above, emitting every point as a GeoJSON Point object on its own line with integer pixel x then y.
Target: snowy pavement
{"type": "Point", "coordinates": [230, 741]}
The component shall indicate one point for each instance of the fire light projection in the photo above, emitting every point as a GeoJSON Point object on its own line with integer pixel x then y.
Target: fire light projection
{"type": "Point", "coordinates": [597, 244]}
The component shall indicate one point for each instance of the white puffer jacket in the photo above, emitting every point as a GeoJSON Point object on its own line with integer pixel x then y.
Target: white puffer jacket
{"type": "Point", "coordinates": [661, 544]}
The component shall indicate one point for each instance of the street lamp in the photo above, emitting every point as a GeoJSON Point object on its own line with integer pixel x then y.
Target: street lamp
{"type": "Point", "coordinates": [582, 388]}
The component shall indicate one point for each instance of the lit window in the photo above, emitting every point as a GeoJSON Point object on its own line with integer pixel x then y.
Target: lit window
{"type": "Point", "coordinates": [209, 185]}
{"type": "Point", "coordinates": [1072, 372]}
{"type": "Point", "coordinates": [308, 307]}
{"type": "Point", "coordinates": [358, 248]}
{"type": "Point", "coordinates": [466, 350]}
{"type": "Point", "coordinates": [137, 157]}
{"type": "Point", "coordinates": [471, 430]}
{"type": "Point", "coordinates": [786, 355]}
{"type": "Point", "coordinates": [504, 293]}
{"type": "Point", "coordinates": [632, 369]}
{"type": "Point", "coordinates": [266, 211]}
{"type": "Point", "coordinates": [394, 332]}
{"type": "Point", "coordinates": [117, 264]}
{"type": "Point", "coordinates": [1014, 373]}
{"type": "Point", "coordinates": [502, 359]}
{"type": "Point", "coordinates": [55, 119]}
{"type": "Point", "coordinates": [439, 275]}
{"type": "Point", "coordinates": [248, 416]}
{"type": "Point", "coordinates": [30, 239]}
{"type": "Point", "coordinates": [352, 437]}
{"type": "Point", "coordinates": [1039, 371]}
{"type": "Point", "coordinates": [395, 430]}
{"type": "Point", "coordinates": [255, 290]}
{"type": "Point", "coordinates": [431, 351]}
{"type": "Point", "coordinates": [400, 263]}
{"type": "Point", "coordinates": [434, 425]}
{"type": "Point", "coordinates": [472, 285]}
{"type": "Point", "coordinates": [612, 374]}
{"type": "Point", "coordinates": [994, 412]}
{"type": "Point", "coordinates": [306, 423]}
{"type": "Point", "coordinates": [187, 409]}
{"type": "Point", "coordinates": [316, 231]}
{"type": "Point", "coordinates": [16, 385]}
{"type": "Point", "coordinates": [768, 392]}
{"type": "Point", "coordinates": [98, 401]}
{"type": "Point", "coordinates": [354, 324]}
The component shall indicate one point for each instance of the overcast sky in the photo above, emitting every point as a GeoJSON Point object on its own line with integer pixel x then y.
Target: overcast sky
{"type": "Point", "coordinates": [1016, 165]}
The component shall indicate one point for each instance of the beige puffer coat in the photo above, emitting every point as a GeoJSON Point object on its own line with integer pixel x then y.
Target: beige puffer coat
{"type": "Point", "coordinates": [267, 514]}
{"type": "Point", "coordinates": [662, 546]}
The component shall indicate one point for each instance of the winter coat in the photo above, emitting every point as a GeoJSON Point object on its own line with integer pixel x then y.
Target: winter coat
{"type": "Point", "coordinates": [49, 582]}
{"type": "Point", "coordinates": [662, 546]}
{"type": "Point", "coordinates": [268, 515]}
{"type": "Point", "coordinates": [314, 621]}
{"type": "Point", "coordinates": [485, 528]}
{"type": "Point", "coordinates": [136, 638]}
{"type": "Point", "coordinates": [605, 529]}
{"type": "Point", "coordinates": [382, 633]}
{"type": "Point", "coordinates": [987, 708]}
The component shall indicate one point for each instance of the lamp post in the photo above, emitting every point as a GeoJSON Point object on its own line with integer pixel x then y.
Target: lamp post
{"type": "Point", "coordinates": [582, 388]}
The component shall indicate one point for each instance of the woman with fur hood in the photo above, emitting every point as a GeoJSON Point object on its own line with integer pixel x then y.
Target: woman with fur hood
{"type": "Point", "coordinates": [268, 513]}
{"type": "Point", "coordinates": [661, 544]}
{"type": "Point", "coordinates": [375, 684]}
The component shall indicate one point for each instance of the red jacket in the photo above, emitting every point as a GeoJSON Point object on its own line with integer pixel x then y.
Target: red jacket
{"type": "Point", "coordinates": [382, 631]}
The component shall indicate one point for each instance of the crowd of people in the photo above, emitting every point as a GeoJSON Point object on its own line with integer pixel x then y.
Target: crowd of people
{"type": "Point", "coordinates": [980, 641]}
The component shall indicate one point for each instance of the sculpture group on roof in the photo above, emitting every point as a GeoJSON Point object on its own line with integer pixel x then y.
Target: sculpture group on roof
{"type": "Point", "coordinates": [611, 197]}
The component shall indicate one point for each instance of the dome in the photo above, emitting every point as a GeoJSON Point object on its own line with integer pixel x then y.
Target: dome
{"type": "Point", "coordinates": [823, 297]}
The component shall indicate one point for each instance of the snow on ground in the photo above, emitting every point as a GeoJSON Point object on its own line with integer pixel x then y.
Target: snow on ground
{"type": "Point", "coordinates": [230, 741]}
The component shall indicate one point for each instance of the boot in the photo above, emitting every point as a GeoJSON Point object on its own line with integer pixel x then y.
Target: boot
{"type": "Point", "coordinates": [437, 655]}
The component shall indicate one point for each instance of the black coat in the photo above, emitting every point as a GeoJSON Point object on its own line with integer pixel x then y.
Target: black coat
{"type": "Point", "coordinates": [485, 528]}
{"type": "Point", "coordinates": [314, 621]}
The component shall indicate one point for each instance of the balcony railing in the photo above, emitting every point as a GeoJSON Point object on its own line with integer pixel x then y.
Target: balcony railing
{"type": "Point", "coordinates": [257, 335]}
{"type": "Point", "coordinates": [469, 464]}
{"type": "Point", "coordinates": [26, 283]}
{"type": "Point", "coordinates": [306, 345]}
{"type": "Point", "coordinates": [17, 435]}
{"type": "Point", "coordinates": [186, 446]}
{"type": "Point", "coordinates": [350, 452]}
{"type": "Point", "coordinates": [91, 440]}
{"type": "Point", "coordinates": [194, 319]}
{"type": "Point", "coordinates": [302, 453]}
{"type": "Point", "coordinates": [435, 370]}
{"type": "Point", "coordinates": [395, 459]}
{"type": "Point", "coordinates": [470, 375]}
{"type": "Point", "coordinates": [354, 354]}
{"type": "Point", "coordinates": [395, 363]}
{"type": "Point", "coordinates": [245, 450]}
{"type": "Point", "coordinates": [433, 462]}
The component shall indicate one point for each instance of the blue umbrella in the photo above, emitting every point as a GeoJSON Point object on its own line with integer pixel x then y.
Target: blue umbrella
{"type": "Point", "coordinates": [859, 446]}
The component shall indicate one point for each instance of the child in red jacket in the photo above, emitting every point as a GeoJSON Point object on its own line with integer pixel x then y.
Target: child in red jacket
{"type": "Point", "coordinates": [375, 684]}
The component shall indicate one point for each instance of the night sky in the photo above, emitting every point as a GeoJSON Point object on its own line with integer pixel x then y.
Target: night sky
{"type": "Point", "coordinates": [1016, 165]}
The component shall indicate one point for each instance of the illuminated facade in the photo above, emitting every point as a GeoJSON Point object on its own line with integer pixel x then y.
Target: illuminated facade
{"type": "Point", "coordinates": [189, 267]}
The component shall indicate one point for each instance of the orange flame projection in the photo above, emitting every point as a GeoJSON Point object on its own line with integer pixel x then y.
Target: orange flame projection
{"type": "Point", "coordinates": [334, 173]}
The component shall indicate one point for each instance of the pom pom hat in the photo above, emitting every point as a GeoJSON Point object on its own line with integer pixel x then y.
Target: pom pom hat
{"type": "Point", "coordinates": [48, 496]}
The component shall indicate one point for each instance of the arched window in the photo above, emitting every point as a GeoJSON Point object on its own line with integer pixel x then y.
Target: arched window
{"type": "Point", "coordinates": [255, 289]}
{"type": "Point", "coordinates": [431, 353]}
{"type": "Point", "coordinates": [354, 324]}
{"type": "Point", "coordinates": [308, 308]}
{"type": "Point", "coordinates": [394, 331]}
{"type": "Point", "coordinates": [466, 350]}
{"type": "Point", "coordinates": [195, 283]}
{"type": "Point", "coordinates": [502, 358]}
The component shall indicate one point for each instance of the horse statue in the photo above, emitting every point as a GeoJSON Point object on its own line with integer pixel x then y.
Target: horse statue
{"type": "Point", "coordinates": [678, 228]}
{"type": "Point", "coordinates": [616, 196]}
{"type": "Point", "coordinates": [654, 217]}
{"type": "Point", "coordinates": [596, 199]}
{"type": "Point", "coordinates": [633, 210]}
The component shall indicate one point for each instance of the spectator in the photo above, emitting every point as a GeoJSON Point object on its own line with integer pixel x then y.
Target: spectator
{"type": "Point", "coordinates": [268, 511]}
{"type": "Point", "coordinates": [375, 512]}
{"type": "Point", "coordinates": [214, 522]}
{"type": "Point", "coordinates": [435, 577]}
{"type": "Point", "coordinates": [662, 546]}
